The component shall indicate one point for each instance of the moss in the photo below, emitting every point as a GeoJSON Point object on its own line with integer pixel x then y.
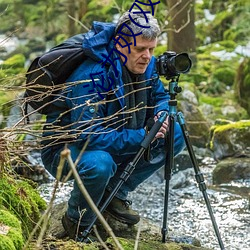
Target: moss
{"type": "Point", "coordinates": [236, 125]}
{"type": "Point", "coordinates": [242, 84]}
{"type": "Point", "coordinates": [214, 101]}
{"type": "Point", "coordinates": [225, 75]}
{"type": "Point", "coordinates": [9, 219]}
{"type": "Point", "coordinates": [128, 244]}
{"type": "Point", "coordinates": [228, 45]}
{"type": "Point", "coordinates": [13, 71]}
{"type": "Point", "coordinates": [17, 61]}
{"type": "Point", "coordinates": [6, 243]}
{"type": "Point", "coordinates": [22, 200]}
{"type": "Point", "coordinates": [16, 237]}
{"type": "Point", "coordinates": [13, 65]}
{"type": "Point", "coordinates": [219, 103]}
{"type": "Point", "coordinates": [13, 239]}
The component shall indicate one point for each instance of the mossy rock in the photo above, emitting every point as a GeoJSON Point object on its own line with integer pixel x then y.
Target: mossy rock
{"type": "Point", "coordinates": [219, 107]}
{"type": "Point", "coordinates": [232, 139]}
{"type": "Point", "coordinates": [21, 199]}
{"type": "Point", "coordinates": [11, 237]}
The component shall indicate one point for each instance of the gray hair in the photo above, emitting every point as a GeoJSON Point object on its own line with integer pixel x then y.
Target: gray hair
{"type": "Point", "coordinates": [149, 33]}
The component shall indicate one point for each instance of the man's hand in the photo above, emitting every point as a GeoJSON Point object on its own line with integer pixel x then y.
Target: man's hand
{"type": "Point", "coordinates": [164, 128]}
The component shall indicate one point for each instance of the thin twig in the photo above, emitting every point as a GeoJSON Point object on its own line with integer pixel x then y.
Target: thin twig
{"type": "Point", "coordinates": [99, 238]}
{"type": "Point", "coordinates": [45, 217]}
{"type": "Point", "coordinates": [66, 154]}
{"type": "Point", "coordinates": [77, 21]}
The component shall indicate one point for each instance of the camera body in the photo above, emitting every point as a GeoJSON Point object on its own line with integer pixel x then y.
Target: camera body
{"type": "Point", "coordinates": [171, 65]}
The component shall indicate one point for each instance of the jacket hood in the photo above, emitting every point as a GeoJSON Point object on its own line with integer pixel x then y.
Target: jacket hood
{"type": "Point", "coordinates": [98, 40]}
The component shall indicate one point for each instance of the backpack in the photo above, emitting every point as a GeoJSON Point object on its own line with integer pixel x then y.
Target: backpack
{"type": "Point", "coordinates": [48, 73]}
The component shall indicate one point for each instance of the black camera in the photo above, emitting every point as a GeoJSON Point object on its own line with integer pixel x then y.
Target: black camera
{"type": "Point", "coordinates": [171, 65]}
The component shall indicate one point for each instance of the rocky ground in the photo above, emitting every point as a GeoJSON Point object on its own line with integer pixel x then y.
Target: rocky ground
{"type": "Point", "coordinates": [145, 234]}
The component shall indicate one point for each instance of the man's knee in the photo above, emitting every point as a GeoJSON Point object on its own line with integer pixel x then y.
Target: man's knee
{"type": "Point", "coordinates": [97, 165]}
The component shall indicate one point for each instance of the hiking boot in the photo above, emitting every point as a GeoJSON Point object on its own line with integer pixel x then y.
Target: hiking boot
{"type": "Point", "coordinates": [121, 211]}
{"type": "Point", "coordinates": [75, 231]}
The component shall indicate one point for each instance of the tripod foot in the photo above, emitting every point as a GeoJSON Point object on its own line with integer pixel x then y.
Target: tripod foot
{"type": "Point", "coordinates": [164, 232]}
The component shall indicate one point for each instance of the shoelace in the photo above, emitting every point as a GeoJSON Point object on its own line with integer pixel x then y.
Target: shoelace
{"type": "Point", "coordinates": [127, 203]}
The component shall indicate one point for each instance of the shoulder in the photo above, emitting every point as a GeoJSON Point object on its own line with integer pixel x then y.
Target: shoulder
{"type": "Point", "coordinates": [84, 70]}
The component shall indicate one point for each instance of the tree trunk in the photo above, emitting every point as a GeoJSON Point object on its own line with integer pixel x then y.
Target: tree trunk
{"type": "Point", "coordinates": [181, 27]}
{"type": "Point", "coordinates": [72, 13]}
{"type": "Point", "coordinates": [83, 7]}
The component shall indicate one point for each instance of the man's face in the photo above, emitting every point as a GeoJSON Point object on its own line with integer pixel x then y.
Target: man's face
{"type": "Point", "coordinates": [140, 55]}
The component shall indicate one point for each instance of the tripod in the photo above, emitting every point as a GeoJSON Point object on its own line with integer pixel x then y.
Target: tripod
{"type": "Point", "coordinates": [173, 90]}
{"type": "Point", "coordinates": [169, 163]}
{"type": "Point", "coordinates": [129, 168]}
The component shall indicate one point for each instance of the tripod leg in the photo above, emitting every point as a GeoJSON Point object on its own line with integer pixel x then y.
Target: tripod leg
{"type": "Point", "coordinates": [199, 177]}
{"type": "Point", "coordinates": [168, 173]}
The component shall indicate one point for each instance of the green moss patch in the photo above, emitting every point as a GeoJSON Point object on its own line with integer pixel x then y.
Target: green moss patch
{"type": "Point", "coordinates": [128, 244]}
{"type": "Point", "coordinates": [10, 231]}
{"type": "Point", "coordinates": [22, 200]}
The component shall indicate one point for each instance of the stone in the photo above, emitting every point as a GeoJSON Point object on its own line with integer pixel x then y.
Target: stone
{"type": "Point", "coordinates": [197, 125]}
{"type": "Point", "coordinates": [231, 169]}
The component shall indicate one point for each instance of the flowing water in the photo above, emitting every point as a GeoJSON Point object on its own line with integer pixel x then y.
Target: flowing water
{"type": "Point", "coordinates": [187, 212]}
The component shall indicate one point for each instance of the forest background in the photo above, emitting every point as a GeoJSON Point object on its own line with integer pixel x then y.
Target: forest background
{"type": "Point", "coordinates": [214, 33]}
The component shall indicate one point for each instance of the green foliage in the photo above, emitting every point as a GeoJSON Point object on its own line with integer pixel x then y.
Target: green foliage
{"type": "Point", "coordinates": [219, 102]}
{"type": "Point", "coordinates": [214, 101]}
{"type": "Point", "coordinates": [242, 84]}
{"type": "Point", "coordinates": [12, 67]}
{"type": "Point", "coordinates": [224, 75]}
{"type": "Point", "coordinates": [160, 50]}
{"type": "Point", "coordinates": [229, 23]}
{"type": "Point", "coordinates": [17, 61]}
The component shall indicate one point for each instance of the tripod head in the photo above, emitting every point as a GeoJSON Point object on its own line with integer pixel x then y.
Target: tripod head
{"type": "Point", "coordinates": [174, 89]}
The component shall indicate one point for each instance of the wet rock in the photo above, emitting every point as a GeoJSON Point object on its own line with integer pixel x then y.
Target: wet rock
{"type": "Point", "coordinates": [197, 125]}
{"type": "Point", "coordinates": [231, 169]}
{"type": "Point", "coordinates": [181, 179]}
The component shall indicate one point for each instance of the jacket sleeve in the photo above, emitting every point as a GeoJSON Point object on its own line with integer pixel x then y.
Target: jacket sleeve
{"type": "Point", "coordinates": [88, 121]}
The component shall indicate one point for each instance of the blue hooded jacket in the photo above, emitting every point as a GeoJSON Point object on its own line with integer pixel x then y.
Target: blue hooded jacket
{"type": "Point", "coordinates": [93, 116]}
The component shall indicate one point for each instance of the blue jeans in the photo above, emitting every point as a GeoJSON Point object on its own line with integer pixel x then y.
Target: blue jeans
{"type": "Point", "coordinates": [100, 170]}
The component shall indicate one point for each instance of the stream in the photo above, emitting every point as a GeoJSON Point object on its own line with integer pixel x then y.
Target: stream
{"type": "Point", "coordinates": [187, 212]}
